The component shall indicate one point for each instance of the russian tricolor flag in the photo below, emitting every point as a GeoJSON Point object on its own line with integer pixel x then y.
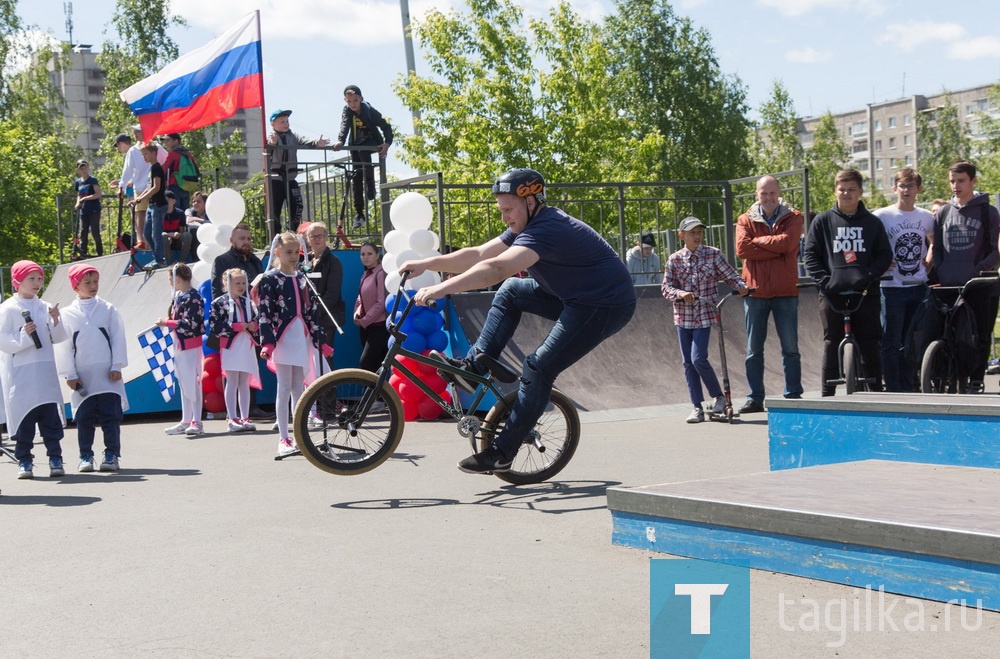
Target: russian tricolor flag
{"type": "Point", "coordinates": [206, 85]}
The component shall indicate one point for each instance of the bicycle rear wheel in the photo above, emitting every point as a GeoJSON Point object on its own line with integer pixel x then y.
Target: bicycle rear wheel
{"type": "Point", "coordinates": [557, 430]}
{"type": "Point", "coordinates": [936, 374]}
{"type": "Point", "coordinates": [328, 426]}
{"type": "Point", "coordinates": [852, 369]}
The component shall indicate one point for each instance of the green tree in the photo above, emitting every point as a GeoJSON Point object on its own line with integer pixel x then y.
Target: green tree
{"type": "Point", "coordinates": [10, 26]}
{"type": "Point", "coordinates": [777, 142]}
{"type": "Point", "coordinates": [942, 140]}
{"type": "Point", "coordinates": [827, 156]}
{"type": "Point", "coordinates": [988, 151]}
{"type": "Point", "coordinates": [668, 79]}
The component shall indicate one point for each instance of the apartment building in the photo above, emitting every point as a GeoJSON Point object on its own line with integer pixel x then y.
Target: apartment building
{"type": "Point", "coordinates": [882, 137]}
{"type": "Point", "coordinates": [81, 84]}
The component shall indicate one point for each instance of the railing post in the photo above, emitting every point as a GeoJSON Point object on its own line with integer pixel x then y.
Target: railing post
{"type": "Point", "coordinates": [730, 227]}
{"type": "Point", "coordinates": [621, 222]}
{"type": "Point", "coordinates": [439, 184]}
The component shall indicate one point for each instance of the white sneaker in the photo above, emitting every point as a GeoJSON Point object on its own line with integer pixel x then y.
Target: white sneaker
{"type": "Point", "coordinates": [236, 426]}
{"type": "Point", "coordinates": [719, 406]}
{"type": "Point", "coordinates": [86, 465]}
{"type": "Point", "coordinates": [697, 415]}
{"type": "Point", "coordinates": [195, 429]}
{"type": "Point", "coordinates": [285, 447]}
{"type": "Point", "coordinates": [274, 426]}
{"type": "Point", "coordinates": [179, 429]}
{"type": "Point", "coordinates": [248, 426]}
{"type": "Point", "coordinates": [315, 423]}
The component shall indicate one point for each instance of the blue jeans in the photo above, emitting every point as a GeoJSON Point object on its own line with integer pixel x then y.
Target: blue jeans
{"type": "Point", "coordinates": [786, 323]}
{"type": "Point", "coordinates": [694, 353]}
{"type": "Point", "coordinates": [46, 417]}
{"type": "Point", "coordinates": [104, 410]}
{"type": "Point", "coordinates": [578, 329]}
{"type": "Point", "coordinates": [899, 304]}
{"type": "Point", "coordinates": [153, 231]}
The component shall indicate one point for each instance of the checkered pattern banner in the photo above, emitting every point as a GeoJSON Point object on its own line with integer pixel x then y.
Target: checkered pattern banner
{"type": "Point", "coordinates": [158, 348]}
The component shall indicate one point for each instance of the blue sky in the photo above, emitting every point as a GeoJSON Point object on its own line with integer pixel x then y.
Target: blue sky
{"type": "Point", "coordinates": [830, 54]}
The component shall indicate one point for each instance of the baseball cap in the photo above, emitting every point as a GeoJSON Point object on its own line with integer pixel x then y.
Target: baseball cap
{"type": "Point", "coordinates": [280, 113]}
{"type": "Point", "coordinates": [81, 162]}
{"type": "Point", "coordinates": [169, 194]}
{"type": "Point", "coordinates": [689, 223]}
{"type": "Point", "coordinates": [123, 137]}
{"type": "Point", "coordinates": [647, 238]}
{"type": "Point", "coordinates": [352, 88]}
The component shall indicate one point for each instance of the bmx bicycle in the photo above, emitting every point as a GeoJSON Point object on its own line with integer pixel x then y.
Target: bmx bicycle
{"type": "Point", "coordinates": [945, 366]}
{"type": "Point", "coordinates": [361, 415]}
{"type": "Point", "coordinates": [850, 367]}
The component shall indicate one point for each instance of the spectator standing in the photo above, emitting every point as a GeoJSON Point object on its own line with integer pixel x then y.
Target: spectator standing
{"type": "Point", "coordinates": [283, 167]}
{"type": "Point", "coordinates": [362, 125]}
{"type": "Point", "coordinates": [910, 230]}
{"type": "Point", "coordinates": [768, 236]}
{"type": "Point", "coordinates": [172, 166]}
{"type": "Point", "coordinates": [155, 196]}
{"type": "Point", "coordinates": [847, 250]}
{"type": "Point", "coordinates": [643, 262]}
{"type": "Point", "coordinates": [175, 233]}
{"type": "Point", "coordinates": [240, 255]}
{"type": "Point", "coordinates": [691, 283]}
{"type": "Point", "coordinates": [326, 273]}
{"type": "Point", "coordinates": [966, 231]}
{"type": "Point", "coordinates": [369, 310]}
{"type": "Point", "coordinates": [88, 207]}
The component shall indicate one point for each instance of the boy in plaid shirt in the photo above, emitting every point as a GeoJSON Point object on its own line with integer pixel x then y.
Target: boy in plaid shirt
{"type": "Point", "coordinates": [691, 283]}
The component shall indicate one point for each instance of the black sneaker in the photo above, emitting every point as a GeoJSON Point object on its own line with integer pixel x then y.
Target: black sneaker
{"type": "Point", "coordinates": [489, 461]}
{"type": "Point", "coordinates": [455, 378]}
{"type": "Point", "coordinates": [751, 407]}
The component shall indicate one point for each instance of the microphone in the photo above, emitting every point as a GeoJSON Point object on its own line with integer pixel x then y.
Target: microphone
{"type": "Point", "coordinates": [34, 335]}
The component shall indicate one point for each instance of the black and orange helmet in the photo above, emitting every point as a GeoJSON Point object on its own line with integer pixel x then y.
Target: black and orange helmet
{"type": "Point", "coordinates": [521, 182]}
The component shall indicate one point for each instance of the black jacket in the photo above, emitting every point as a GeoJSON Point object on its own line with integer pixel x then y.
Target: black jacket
{"type": "Point", "coordinates": [233, 259]}
{"type": "Point", "coordinates": [847, 253]}
{"type": "Point", "coordinates": [367, 130]}
{"type": "Point", "coordinates": [328, 278]}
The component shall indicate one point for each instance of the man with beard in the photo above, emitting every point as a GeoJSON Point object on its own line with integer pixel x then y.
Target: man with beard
{"type": "Point", "coordinates": [240, 255]}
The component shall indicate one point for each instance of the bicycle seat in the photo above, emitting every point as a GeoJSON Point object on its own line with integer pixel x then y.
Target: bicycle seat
{"type": "Point", "coordinates": [501, 372]}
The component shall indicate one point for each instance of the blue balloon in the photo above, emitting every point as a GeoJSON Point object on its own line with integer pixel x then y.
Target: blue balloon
{"type": "Point", "coordinates": [415, 342]}
{"type": "Point", "coordinates": [428, 323]}
{"type": "Point", "coordinates": [437, 340]}
{"type": "Point", "coordinates": [205, 290]}
{"type": "Point", "coordinates": [389, 301]}
{"type": "Point", "coordinates": [205, 350]}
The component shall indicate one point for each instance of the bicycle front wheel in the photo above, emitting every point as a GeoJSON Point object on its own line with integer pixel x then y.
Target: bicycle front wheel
{"type": "Point", "coordinates": [935, 369]}
{"type": "Point", "coordinates": [329, 428]}
{"type": "Point", "coordinates": [557, 433]}
{"type": "Point", "coordinates": [852, 369]}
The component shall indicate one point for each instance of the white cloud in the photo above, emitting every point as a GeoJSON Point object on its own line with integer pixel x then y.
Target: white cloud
{"type": "Point", "coordinates": [976, 48]}
{"type": "Point", "coordinates": [808, 56]}
{"type": "Point", "coordinates": [909, 36]}
{"type": "Point", "coordinates": [345, 22]}
{"type": "Point", "coordinates": [685, 5]}
{"type": "Point", "coordinates": [801, 7]}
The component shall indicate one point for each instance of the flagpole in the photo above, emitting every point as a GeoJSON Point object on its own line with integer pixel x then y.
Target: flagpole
{"type": "Point", "coordinates": [263, 136]}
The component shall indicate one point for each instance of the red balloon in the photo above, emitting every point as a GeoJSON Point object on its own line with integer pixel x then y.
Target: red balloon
{"type": "Point", "coordinates": [220, 384]}
{"type": "Point", "coordinates": [411, 365]}
{"type": "Point", "coordinates": [208, 383]}
{"type": "Point", "coordinates": [395, 380]}
{"type": "Point", "coordinates": [214, 402]}
{"type": "Point", "coordinates": [426, 369]}
{"type": "Point", "coordinates": [213, 363]}
{"type": "Point", "coordinates": [435, 382]}
{"type": "Point", "coordinates": [410, 410]}
{"type": "Point", "coordinates": [428, 408]}
{"type": "Point", "coordinates": [408, 391]}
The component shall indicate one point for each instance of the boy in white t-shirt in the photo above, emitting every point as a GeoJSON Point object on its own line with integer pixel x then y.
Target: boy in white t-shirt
{"type": "Point", "coordinates": [911, 232]}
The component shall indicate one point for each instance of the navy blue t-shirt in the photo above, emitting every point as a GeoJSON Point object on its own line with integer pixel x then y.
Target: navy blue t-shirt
{"type": "Point", "coordinates": [85, 188]}
{"type": "Point", "coordinates": [574, 263]}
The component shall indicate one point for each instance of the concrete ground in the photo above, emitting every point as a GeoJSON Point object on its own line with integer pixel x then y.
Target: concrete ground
{"type": "Point", "coordinates": [207, 547]}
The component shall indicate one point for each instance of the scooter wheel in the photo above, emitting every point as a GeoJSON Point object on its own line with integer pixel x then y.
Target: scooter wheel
{"type": "Point", "coordinates": [729, 415]}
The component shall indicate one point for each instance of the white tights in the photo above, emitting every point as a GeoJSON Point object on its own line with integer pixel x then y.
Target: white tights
{"type": "Point", "coordinates": [191, 396]}
{"type": "Point", "coordinates": [291, 383]}
{"type": "Point", "coordinates": [238, 389]}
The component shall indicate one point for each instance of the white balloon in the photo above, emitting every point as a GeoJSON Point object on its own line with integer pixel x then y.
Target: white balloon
{"type": "Point", "coordinates": [200, 272]}
{"type": "Point", "coordinates": [403, 257]}
{"type": "Point", "coordinates": [410, 211]}
{"type": "Point", "coordinates": [222, 233]}
{"type": "Point", "coordinates": [207, 252]}
{"type": "Point", "coordinates": [431, 254]}
{"type": "Point", "coordinates": [396, 241]}
{"type": "Point", "coordinates": [429, 278]}
{"type": "Point", "coordinates": [225, 206]}
{"type": "Point", "coordinates": [206, 233]}
{"type": "Point", "coordinates": [392, 282]}
{"type": "Point", "coordinates": [422, 241]}
{"type": "Point", "coordinates": [389, 262]}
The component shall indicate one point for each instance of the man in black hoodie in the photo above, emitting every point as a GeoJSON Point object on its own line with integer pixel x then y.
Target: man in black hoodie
{"type": "Point", "coordinates": [966, 231]}
{"type": "Point", "coordinates": [847, 249]}
{"type": "Point", "coordinates": [362, 125]}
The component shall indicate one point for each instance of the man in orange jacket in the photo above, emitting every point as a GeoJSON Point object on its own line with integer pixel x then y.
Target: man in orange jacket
{"type": "Point", "coordinates": [767, 239]}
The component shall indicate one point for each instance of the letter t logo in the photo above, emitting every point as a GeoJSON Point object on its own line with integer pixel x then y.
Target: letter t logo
{"type": "Point", "coordinates": [701, 603]}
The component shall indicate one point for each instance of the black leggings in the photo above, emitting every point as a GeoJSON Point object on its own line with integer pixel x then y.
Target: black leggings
{"type": "Point", "coordinates": [374, 345]}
